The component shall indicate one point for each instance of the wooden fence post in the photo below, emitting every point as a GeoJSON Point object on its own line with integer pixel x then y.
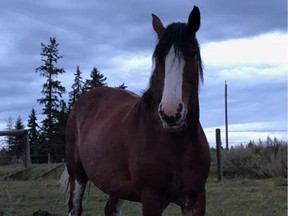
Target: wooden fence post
{"type": "Point", "coordinates": [218, 155]}
{"type": "Point", "coordinates": [49, 158]}
{"type": "Point", "coordinates": [26, 153]}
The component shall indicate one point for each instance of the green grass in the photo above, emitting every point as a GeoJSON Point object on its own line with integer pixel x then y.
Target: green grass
{"type": "Point", "coordinates": [232, 197]}
{"type": "Point", "coordinates": [34, 171]}
{"type": "Point", "coordinates": [9, 169]}
{"type": "Point", "coordinates": [243, 197]}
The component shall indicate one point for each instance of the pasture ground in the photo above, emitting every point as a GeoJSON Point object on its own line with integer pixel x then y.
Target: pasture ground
{"type": "Point", "coordinates": [234, 197]}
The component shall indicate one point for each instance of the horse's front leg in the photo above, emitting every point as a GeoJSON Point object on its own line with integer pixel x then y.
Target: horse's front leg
{"type": "Point", "coordinates": [152, 204]}
{"type": "Point", "coordinates": [196, 208]}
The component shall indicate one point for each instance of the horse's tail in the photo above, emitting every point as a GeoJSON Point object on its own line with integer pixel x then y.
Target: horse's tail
{"type": "Point", "coordinates": [64, 182]}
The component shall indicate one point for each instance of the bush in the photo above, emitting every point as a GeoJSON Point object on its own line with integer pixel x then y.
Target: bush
{"type": "Point", "coordinates": [4, 157]}
{"type": "Point", "coordinates": [262, 160]}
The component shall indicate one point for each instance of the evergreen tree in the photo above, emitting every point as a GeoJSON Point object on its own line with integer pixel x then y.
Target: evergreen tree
{"type": "Point", "coordinates": [17, 146]}
{"type": "Point", "coordinates": [9, 126]}
{"type": "Point", "coordinates": [34, 136]}
{"type": "Point", "coordinates": [52, 91]}
{"type": "Point", "coordinates": [97, 80]}
{"type": "Point", "coordinates": [122, 86]}
{"type": "Point", "coordinates": [77, 88]}
{"type": "Point", "coordinates": [4, 157]}
{"type": "Point", "coordinates": [59, 136]}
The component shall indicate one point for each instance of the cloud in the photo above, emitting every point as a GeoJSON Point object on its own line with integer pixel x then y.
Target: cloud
{"type": "Point", "coordinates": [224, 20]}
{"type": "Point", "coordinates": [256, 71]}
{"type": "Point", "coordinates": [267, 49]}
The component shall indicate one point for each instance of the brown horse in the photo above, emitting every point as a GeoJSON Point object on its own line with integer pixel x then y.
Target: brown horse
{"type": "Point", "coordinates": [149, 149]}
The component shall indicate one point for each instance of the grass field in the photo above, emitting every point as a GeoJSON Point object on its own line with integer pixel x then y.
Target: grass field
{"type": "Point", "coordinates": [234, 197]}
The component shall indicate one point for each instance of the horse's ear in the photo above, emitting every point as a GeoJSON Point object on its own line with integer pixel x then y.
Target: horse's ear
{"type": "Point", "coordinates": [157, 25]}
{"type": "Point", "coordinates": [194, 20]}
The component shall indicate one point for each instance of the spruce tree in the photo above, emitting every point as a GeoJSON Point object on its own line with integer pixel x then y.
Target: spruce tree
{"type": "Point", "coordinates": [17, 147]}
{"type": "Point", "coordinates": [9, 126]}
{"type": "Point", "coordinates": [34, 136]}
{"type": "Point", "coordinates": [97, 80]}
{"type": "Point", "coordinates": [52, 91]}
{"type": "Point", "coordinates": [59, 135]}
{"type": "Point", "coordinates": [77, 88]}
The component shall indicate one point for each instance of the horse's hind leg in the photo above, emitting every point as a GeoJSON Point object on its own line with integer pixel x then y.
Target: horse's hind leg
{"type": "Point", "coordinates": [77, 175]}
{"type": "Point", "coordinates": [113, 207]}
{"type": "Point", "coordinates": [77, 189]}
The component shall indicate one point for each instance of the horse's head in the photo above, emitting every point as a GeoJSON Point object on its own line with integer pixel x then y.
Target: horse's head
{"type": "Point", "coordinates": [178, 62]}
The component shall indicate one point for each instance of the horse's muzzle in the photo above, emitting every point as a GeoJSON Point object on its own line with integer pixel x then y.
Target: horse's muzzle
{"type": "Point", "coordinates": [172, 121]}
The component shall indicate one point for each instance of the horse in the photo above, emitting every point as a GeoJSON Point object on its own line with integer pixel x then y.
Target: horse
{"type": "Point", "coordinates": [150, 148]}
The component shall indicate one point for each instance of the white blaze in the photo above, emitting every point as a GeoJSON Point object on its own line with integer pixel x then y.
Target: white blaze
{"type": "Point", "coordinates": [172, 93]}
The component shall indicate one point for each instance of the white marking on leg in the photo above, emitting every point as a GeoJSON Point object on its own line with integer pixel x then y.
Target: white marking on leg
{"type": "Point", "coordinates": [119, 208]}
{"type": "Point", "coordinates": [77, 197]}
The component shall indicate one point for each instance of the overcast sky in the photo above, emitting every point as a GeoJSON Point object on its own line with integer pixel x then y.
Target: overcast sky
{"type": "Point", "coordinates": [242, 42]}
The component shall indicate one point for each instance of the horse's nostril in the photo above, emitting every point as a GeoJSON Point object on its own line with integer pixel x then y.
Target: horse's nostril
{"type": "Point", "coordinates": [177, 116]}
{"type": "Point", "coordinates": [180, 108]}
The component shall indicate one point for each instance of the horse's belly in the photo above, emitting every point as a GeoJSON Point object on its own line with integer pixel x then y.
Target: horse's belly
{"type": "Point", "coordinates": [113, 183]}
{"type": "Point", "coordinates": [105, 166]}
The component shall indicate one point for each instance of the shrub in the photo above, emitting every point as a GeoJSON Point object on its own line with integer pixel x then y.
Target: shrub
{"type": "Point", "coordinates": [4, 157]}
{"type": "Point", "coordinates": [262, 160]}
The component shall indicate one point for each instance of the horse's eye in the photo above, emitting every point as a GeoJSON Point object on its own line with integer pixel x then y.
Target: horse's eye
{"type": "Point", "coordinates": [190, 54]}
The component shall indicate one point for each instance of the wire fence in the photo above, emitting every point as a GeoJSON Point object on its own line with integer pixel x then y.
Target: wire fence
{"type": "Point", "coordinates": [40, 159]}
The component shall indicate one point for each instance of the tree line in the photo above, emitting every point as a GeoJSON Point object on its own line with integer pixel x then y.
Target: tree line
{"type": "Point", "coordinates": [48, 135]}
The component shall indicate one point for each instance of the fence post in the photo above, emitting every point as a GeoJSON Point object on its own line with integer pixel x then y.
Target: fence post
{"type": "Point", "coordinates": [49, 158]}
{"type": "Point", "coordinates": [218, 155]}
{"type": "Point", "coordinates": [27, 156]}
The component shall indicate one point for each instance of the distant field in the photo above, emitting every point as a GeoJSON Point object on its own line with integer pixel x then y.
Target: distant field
{"type": "Point", "coordinates": [234, 197]}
